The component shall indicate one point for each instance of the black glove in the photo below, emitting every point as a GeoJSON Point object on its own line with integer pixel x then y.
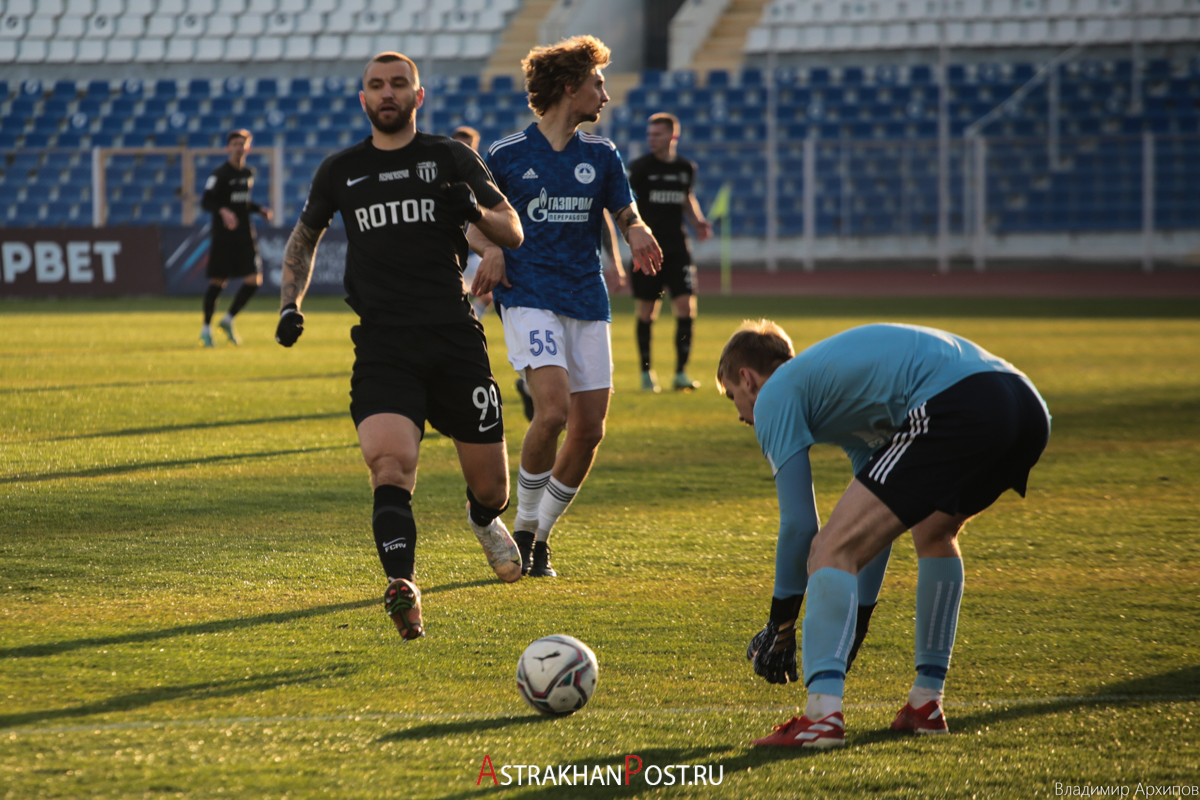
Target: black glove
{"type": "Point", "coordinates": [462, 201]}
{"type": "Point", "coordinates": [291, 325]}
{"type": "Point", "coordinates": [777, 666]}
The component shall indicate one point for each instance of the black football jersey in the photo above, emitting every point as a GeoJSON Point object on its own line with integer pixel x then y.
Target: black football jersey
{"type": "Point", "coordinates": [230, 187]}
{"type": "Point", "coordinates": [661, 189]}
{"type": "Point", "coordinates": [406, 248]}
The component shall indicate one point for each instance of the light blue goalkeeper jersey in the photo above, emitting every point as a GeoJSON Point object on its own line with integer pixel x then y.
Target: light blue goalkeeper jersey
{"type": "Point", "coordinates": [855, 389]}
{"type": "Point", "coordinates": [560, 199]}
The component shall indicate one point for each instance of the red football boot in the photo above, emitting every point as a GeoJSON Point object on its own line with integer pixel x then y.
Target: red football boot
{"type": "Point", "coordinates": [829, 731]}
{"type": "Point", "coordinates": [924, 720]}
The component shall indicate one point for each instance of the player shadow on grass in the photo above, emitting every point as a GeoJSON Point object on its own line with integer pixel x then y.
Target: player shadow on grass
{"type": "Point", "coordinates": [465, 726]}
{"type": "Point", "coordinates": [191, 692]}
{"type": "Point", "coordinates": [197, 426]}
{"type": "Point", "coordinates": [138, 466]}
{"type": "Point", "coordinates": [88, 387]}
{"type": "Point", "coordinates": [1175, 685]}
{"type": "Point", "coordinates": [214, 626]}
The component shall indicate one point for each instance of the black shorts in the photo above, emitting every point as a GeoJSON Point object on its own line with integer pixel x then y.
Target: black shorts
{"type": "Point", "coordinates": [677, 274]}
{"type": "Point", "coordinates": [225, 263]}
{"type": "Point", "coordinates": [438, 373]}
{"type": "Point", "coordinates": [962, 449]}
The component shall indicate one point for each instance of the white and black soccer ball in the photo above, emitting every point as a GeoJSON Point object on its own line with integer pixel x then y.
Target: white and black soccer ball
{"type": "Point", "coordinates": [557, 675]}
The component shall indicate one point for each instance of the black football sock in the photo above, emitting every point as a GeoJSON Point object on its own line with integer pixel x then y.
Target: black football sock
{"type": "Point", "coordinates": [241, 298]}
{"type": "Point", "coordinates": [683, 342]}
{"type": "Point", "coordinates": [482, 515]}
{"type": "Point", "coordinates": [395, 531]}
{"type": "Point", "coordinates": [860, 631]}
{"type": "Point", "coordinates": [643, 340]}
{"type": "Point", "coordinates": [210, 302]}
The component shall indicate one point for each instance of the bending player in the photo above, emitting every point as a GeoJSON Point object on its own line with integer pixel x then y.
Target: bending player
{"type": "Point", "coordinates": [555, 304]}
{"type": "Point", "coordinates": [662, 181]}
{"type": "Point", "coordinates": [937, 428]}
{"type": "Point", "coordinates": [420, 354]}
{"type": "Point", "coordinates": [234, 249]}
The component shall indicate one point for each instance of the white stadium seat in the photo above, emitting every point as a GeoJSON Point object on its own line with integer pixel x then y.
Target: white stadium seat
{"type": "Point", "coordinates": [61, 51]}
{"type": "Point", "coordinates": [79, 8]}
{"type": "Point", "coordinates": [31, 51]}
{"type": "Point", "coordinates": [298, 48]}
{"type": "Point", "coordinates": [219, 26]}
{"type": "Point", "coordinates": [69, 28]}
{"type": "Point", "coordinates": [46, 8]}
{"type": "Point", "coordinates": [268, 48]}
{"type": "Point", "coordinates": [358, 47]}
{"type": "Point", "coordinates": [310, 23]}
{"type": "Point", "coordinates": [260, 6]}
{"type": "Point", "coordinates": [149, 50]}
{"type": "Point", "coordinates": [181, 50]}
{"type": "Point", "coordinates": [210, 49]}
{"type": "Point", "coordinates": [280, 23]}
{"type": "Point", "coordinates": [327, 47]}
{"type": "Point", "coordinates": [190, 26]}
{"type": "Point", "coordinates": [239, 48]}
{"type": "Point", "coordinates": [130, 27]}
{"type": "Point", "coordinates": [231, 7]}
{"type": "Point", "coordinates": [90, 51]}
{"type": "Point", "coordinates": [101, 26]}
{"type": "Point", "coordinates": [40, 28]}
{"type": "Point", "coordinates": [162, 25]}
{"type": "Point", "coordinates": [119, 51]}
{"type": "Point", "coordinates": [339, 23]}
{"type": "Point", "coordinates": [416, 45]}
{"type": "Point", "coordinates": [250, 24]}
{"type": "Point", "coordinates": [368, 22]}
{"type": "Point", "coordinates": [19, 8]}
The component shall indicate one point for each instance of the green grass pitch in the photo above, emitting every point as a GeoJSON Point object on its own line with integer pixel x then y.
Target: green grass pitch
{"type": "Point", "coordinates": [190, 594]}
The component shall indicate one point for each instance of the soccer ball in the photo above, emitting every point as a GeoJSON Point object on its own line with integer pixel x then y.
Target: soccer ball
{"type": "Point", "coordinates": [557, 675]}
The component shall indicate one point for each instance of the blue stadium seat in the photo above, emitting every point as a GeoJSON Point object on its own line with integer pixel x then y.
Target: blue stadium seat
{"type": "Point", "coordinates": [37, 139]}
{"type": "Point", "coordinates": [502, 83]}
{"type": "Point", "coordinates": [100, 90]}
{"type": "Point", "coordinates": [165, 88]}
{"type": "Point", "coordinates": [120, 211]}
{"type": "Point", "coordinates": [199, 87]}
{"type": "Point", "coordinates": [920, 75]}
{"type": "Point", "coordinates": [61, 213]}
{"type": "Point", "coordinates": [296, 138]}
{"type": "Point", "coordinates": [266, 87]}
{"type": "Point", "coordinates": [70, 139]}
{"type": "Point", "coordinates": [65, 89]}
{"type": "Point", "coordinates": [26, 214]}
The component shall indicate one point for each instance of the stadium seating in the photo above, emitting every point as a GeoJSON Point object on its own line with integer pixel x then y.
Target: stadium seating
{"type": "Point", "coordinates": [797, 26]}
{"type": "Point", "coordinates": [206, 31]}
{"type": "Point", "coordinates": [875, 126]}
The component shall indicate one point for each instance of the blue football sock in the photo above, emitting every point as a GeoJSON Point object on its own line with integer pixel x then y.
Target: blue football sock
{"type": "Point", "coordinates": [939, 594]}
{"type": "Point", "coordinates": [829, 629]}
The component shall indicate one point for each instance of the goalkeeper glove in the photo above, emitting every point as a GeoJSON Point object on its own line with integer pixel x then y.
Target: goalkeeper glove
{"type": "Point", "coordinates": [291, 325]}
{"type": "Point", "coordinates": [774, 654]}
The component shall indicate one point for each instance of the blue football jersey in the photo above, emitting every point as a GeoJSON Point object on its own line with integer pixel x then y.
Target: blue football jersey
{"type": "Point", "coordinates": [560, 198]}
{"type": "Point", "coordinates": [855, 389]}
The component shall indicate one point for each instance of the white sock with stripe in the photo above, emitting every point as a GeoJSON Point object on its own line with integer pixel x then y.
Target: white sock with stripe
{"type": "Point", "coordinates": [555, 500]}
{"type": "Point", "coordinates": [530, 489]}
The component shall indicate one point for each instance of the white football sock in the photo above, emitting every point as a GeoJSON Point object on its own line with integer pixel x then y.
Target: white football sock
{"type": "Point", "coordinates": [226, 318]}
{"type": "Point", "coordinates": [920, 695]}
{"type": "Point", "coordinates": [530, 489]}
{"type": "Point", "coordinates": [820, 705]}
{"type": "Point", "coordinates": [554, 503]}
{"type": "Point", "coordinates": [206, 329]}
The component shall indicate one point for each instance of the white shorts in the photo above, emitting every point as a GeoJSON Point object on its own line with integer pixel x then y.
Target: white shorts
{"type": "Point", "coordinates": [540, 338]}
{"type": "Point", "coordinates": [470, 270]}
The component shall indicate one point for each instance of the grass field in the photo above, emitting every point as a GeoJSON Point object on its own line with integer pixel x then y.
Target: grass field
{"type": "Point", "coordinates": [190, 592]}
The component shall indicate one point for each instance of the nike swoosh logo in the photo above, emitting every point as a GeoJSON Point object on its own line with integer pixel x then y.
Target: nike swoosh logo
{"type": "Point", "coordinates": [356, 180]}
{"type": "Point", "coordinates": [489, 427]}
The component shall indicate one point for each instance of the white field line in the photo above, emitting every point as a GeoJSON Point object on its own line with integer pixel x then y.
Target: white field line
{"type": "Point", "coordinates": [223, 722]}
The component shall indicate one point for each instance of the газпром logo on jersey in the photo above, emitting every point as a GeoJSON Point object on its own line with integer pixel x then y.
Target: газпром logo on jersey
{"type": "Point", "coordinates": [559, 209]}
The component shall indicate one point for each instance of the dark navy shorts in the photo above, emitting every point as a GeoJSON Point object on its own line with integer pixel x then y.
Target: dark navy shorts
{"type": "Point", "coordinates": [435, 373]}
{"type": "Point", "coordinates": [962, 449]}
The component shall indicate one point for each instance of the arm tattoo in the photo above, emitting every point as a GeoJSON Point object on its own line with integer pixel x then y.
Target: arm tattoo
{"type": "Point", "coordinates": [297, 262]}
{"type": "Point", "coordinates": [626, 218]}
